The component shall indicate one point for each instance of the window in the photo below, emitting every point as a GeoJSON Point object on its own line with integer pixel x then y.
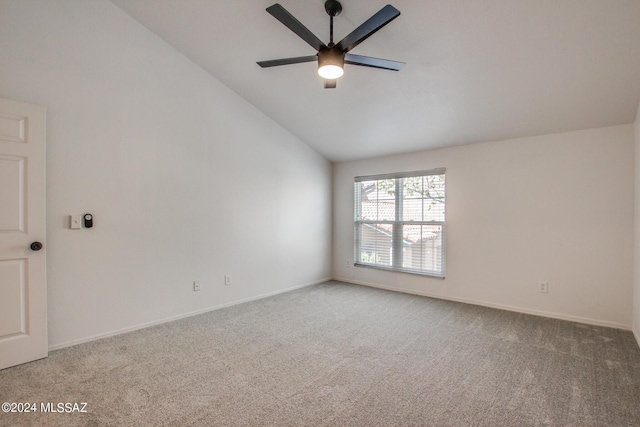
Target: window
{"type": "Point", "coordinates": [400, 222]}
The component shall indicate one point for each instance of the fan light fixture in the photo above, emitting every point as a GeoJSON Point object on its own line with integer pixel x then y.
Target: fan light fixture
{"type": "Point", "coordinates": [330, 63]}
{"type": "Point", "coordinates": [330, 72]}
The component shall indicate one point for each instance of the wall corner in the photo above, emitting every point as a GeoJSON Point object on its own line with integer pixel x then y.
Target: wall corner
{"type": "Point", "coordinates": [636, 255]}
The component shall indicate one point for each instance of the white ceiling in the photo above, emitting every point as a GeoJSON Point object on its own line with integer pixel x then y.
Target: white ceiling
{"type": "Point", "coordinates": [477, 70]}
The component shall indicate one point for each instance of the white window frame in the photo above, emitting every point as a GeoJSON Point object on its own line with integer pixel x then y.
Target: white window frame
{"type": "Point", "coordinates": [397, 224]}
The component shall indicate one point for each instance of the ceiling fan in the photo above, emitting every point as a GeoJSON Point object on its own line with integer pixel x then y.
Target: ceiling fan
{"type": "Point", "coordinates": [332, 57]}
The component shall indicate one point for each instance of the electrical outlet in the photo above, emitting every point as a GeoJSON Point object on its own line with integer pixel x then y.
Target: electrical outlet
{"type": "Point", "coordinates": [227, 280]}
{"type": "Point", "coordinates": [196, 285]}
{"type": "Point", "coordinates": [348, 263]}
{"type": "Point", "coordinates": [543, 286]}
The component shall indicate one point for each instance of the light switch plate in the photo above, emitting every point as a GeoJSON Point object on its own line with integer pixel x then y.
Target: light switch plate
{"type": "Point", "coordinates": [75, 222]}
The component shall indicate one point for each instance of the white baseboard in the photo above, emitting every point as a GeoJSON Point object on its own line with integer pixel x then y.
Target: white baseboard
{"type": "Point", "coordinates": [636, 334]}
{"type": "Point", "coordinates": [180, 316]}
{"type": "Point", "coordinates": [560, 316]}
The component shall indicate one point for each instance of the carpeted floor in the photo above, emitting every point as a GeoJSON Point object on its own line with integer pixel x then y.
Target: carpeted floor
{"type": "Point", "coordinates": [341, 355]}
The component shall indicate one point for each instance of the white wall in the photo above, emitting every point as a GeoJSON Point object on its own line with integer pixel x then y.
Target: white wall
{"type": "Point", "coordinates": [636, 278]}
{"type": "Point", "coordinates": [185, 179]}
{"type": "Point", "coordinates": [556, 207]}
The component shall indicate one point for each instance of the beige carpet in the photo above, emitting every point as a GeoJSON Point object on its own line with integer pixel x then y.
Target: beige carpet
{"type": "Point", "coordinates": [341, 355]}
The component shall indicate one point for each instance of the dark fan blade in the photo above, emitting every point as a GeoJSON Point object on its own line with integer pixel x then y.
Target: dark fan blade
{"type": "Point", "coordinates": [368, 61]}
{"type": "Point", "coordinates": [330, 84]}
{"type": "Point", "coordinates": [287, 61]}
{"type": "Point", "coordinates": [373, 24]}
{"type": "Point", "coordinates": [281, 14]}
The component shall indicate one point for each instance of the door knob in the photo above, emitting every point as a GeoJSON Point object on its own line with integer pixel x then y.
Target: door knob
{"type": "Point", "coordinates": [36, 246]}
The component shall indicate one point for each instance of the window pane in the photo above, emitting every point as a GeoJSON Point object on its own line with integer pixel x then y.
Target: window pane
{"type": "Point", "coordinates": [433, 210]}
{"type": "Point", "coordinates": [377, 200]}
{"type": "Point", "coordinates": [386, 193]}
{"type": "Point", "coordinates": [359, 193]}
{"type": "Point", "coordinates": [434, 198]}
{"type": "Point", "coordinates": [423, 198]}
{"type": "Point", "coordinates": [412, 210]}
{"type": "Point", "coordinates": [411, 199]}
{"type": "Point", "coordinates": [375, 244]}
{"type": "Point", "coordinates": [366, 209]}
{"type": "Point", "coordinates": [412, 187]}
{"type": "Point", "coordinates": [422, 248]}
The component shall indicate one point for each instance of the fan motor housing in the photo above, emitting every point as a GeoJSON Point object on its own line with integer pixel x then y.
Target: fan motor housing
{"type": "Point", "coordinates": [331, 56]}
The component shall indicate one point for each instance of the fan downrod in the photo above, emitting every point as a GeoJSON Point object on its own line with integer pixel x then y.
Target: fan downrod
{"type": "Point", "coordinates": [333, 7]}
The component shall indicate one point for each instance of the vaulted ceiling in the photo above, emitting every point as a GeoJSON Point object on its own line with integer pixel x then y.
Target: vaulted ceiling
{"type": "Point", "coordinates": [477, 70]}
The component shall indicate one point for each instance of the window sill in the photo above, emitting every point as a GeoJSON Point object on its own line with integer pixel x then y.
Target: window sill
{"type": "Point", "coordinates": [397, 270]}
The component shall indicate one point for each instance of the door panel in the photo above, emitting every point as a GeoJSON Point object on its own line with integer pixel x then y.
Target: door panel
{"type": "Point", "coordinates": [12, 294]}
{"type": "Point", "coordinates": [12, 128]}
{"type": "Point", "coordinates": [23, 291]}
{"type": "Point", "coordinates": [12, 194]}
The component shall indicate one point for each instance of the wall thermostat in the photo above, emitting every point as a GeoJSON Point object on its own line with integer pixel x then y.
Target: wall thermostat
{"type": "Point", "coordinates": [88, 220]}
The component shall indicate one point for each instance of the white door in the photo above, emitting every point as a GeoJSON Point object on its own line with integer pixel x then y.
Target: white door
{"type": "Point", "coordinates": [23, 286]}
